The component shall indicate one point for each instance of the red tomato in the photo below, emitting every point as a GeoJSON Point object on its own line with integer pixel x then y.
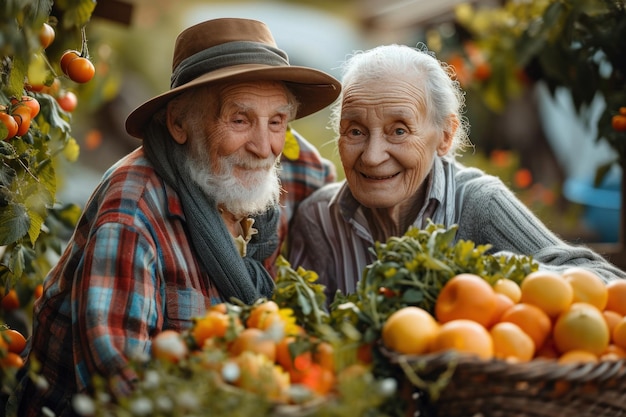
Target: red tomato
{"type": "Point", "coordinates": [68, 56]}
{"type": "Point", "coordinates": [21, 114]}
{"type": "Point", "coordinates": [80, 70]}
{"type": "Point", "coordinates": [30, 102]}
{"type": "Point", "coordinates": [619, 123]}
{"type": "Point", "coordinates": [10, 123]}
{"type": "Point", "coordinates": [46, 35]}
{"type": "Point", "coordinates": [67, 101]}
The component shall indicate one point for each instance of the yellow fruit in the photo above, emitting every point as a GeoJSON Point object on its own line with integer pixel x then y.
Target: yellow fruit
{"type": "Point", "coordinates": [511, 343]}
{"type": "Point", "coordinates": [577, 356]}
{"type": "Point", "coordinates": [410, 330]}
{"type": "Point", "coordinates": [588, 287]}
{"type": "Point", "coordinates": [581, 327]}
{"type": "Point", "coordinates": [509, 288]}
{"type": "Point", "coordinates": [464, 336]}
{"type": "Point", "coordinates": [547, 290]}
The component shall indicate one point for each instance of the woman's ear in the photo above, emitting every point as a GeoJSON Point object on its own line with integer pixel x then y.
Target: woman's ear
{"type": "Point", "coordinates": [448, 135]}
{"type": "Point", "coordinates": [174, 124]}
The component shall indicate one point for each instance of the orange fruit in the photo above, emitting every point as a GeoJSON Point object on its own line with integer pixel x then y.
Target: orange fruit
{"type": "Point", "coordinates": [318, 379]}
{"type": "Point", "coordinates": [588, 287]}
{"type": "Point", "coordinates": [410, 330]}
{"type": "Point", "coordinates": [509, 288]}
{"type": "Point", "coordinates": [212, 324]}
{"type": "Point", "coordinates": [618, 336]}
{"type": "Point", "coordinates": [260, 313]}
{"type": "Point", "coordinates": [613, 353]}
{"type": "Point", "coordinates": [10, 301]}
{"type": "Point", "coordinates": [169, 346]}
{"type": "Point", "coordinates": [502, 305]}
{"type": "Point", "coordinates": [532, 320]}
{"type": "Point", "coordinates": [577, 356]}
{"type": "Point", "coordinates": [38, 292]}
{"type": "Point", "coordinates": [617, 296]}
{"type": "Point", "coordinates": [547, 351]}
{"type": "Point", "coordinates": [547, 290]}
{"type": "Point", "coordinates": [260, 375]}
{"type": "Point", "coordinates": [581, 327]}
{"type": "Point", "coordinates": [511, 343]}
{"type": "Point", "coordinates": [465, 336]}
{"type": "Point", "coordinates": [324, 355]}
{"type": "Point", "coordinates": [16, 342]}
{"type": "Point", "coordinates": [466, 296]}
{"type": "Point", "coordinates": [11, 360]}
{"type": "Point", "coordinates": [611, 318]}
{"type": "Point", "coordinates": [254, 340]}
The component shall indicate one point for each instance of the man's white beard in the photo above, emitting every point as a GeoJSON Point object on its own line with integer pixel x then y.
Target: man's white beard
{"type": "Point", "coordinates": [254, 192]}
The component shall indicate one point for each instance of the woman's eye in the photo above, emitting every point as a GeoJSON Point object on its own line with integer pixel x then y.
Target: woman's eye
{"type": "Point", "coordinates": [355, 132]}
{"type": "Point", "coordinates": [400, 131]}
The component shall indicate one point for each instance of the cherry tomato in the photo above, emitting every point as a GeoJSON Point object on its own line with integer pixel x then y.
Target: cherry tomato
{"type": "Point", "coordinates": [10, 123]}
{"type": "Point", "coordinates": [619, 123]}
{"type": "Point", "coordinates": [21, 114]}
{"type": "Point", "coordinates": [80, 70]}
{"type": "Point", "coordinates": [30, 102]}
{"type": "Point", "coordinates": [68, 56]}
{"type": "Point", "coordinates": [46, 35]}
{"type": "Point", "coordinates": [67, 101]}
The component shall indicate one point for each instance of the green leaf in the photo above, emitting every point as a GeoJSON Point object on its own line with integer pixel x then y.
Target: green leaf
{"type": "Point", "coordinates": [14, 223]}
{"type": "Point", "coordinates": [36, 221]}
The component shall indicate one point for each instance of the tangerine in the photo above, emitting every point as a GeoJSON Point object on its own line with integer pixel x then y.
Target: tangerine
{"type": "Point", "coordinates": [509, 288]}
{"type": "Point", "coordinates": [588, 287]}
{"type": "Point", "coordinates": [612, 318]}
{"type": "Point", "coordinates": [577, 356]}
{"type": "Point", "coordinates": [260, 312]}
{"type": "Point", "coordinates": [410, 330]}
{"type": "Point", "coordinates": [581, 327]}
{"type": "Point", "coordinates": [465, 336]}
{"type": "Point", "coordinates": [532, 320]}
{"type": "Point", "coordinates": [617, 296]}
{"type": "Point", "coordinates": [511, 343]}
{"type": "Point", "coordinates": [212, 324]}
{"type": "Point", "coordinates": [11, 360]}
{"type": "Point", "coordinates": [10, 301]}
{"type": "Point", "coordinates": [466, 296]}
{"type": "Point", "coordinates": [254, 340]}
{"type": "Point", "coordinates": [502, 305]}
{"type": "Point", "coordinates": [613, 353]}
{"type": "Point", "coordinates": [547, 290]}
{"type": "Point", "coordinates": [618, 334]}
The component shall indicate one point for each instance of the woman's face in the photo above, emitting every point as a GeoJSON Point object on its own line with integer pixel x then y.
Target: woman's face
{"type": "Point", "coordinates": [387, 144]}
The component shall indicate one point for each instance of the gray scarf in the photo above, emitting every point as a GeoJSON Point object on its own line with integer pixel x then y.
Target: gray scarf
{"type": "Point", "coordinates": [243, 278]}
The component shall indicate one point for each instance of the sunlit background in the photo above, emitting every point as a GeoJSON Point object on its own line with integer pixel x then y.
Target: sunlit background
{"type": "Point", "coordinates": [534, 140]}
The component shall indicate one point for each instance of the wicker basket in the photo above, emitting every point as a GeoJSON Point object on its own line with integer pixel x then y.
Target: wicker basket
{"type": "Point", "coordinates": [453, 385]}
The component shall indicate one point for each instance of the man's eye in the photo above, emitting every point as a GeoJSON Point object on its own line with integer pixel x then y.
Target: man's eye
{"type": "Point", "coordinates": [355, 132]}
{"type": "Point", "coordinates": [400, 131]}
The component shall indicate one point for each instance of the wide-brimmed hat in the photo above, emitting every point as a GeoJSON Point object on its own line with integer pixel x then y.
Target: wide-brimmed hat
{"type": "Point", "coordinates": [233, 49]}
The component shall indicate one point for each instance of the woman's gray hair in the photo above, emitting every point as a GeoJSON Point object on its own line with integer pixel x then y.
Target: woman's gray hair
{"type": "Point", "coordinates": [443, 94]}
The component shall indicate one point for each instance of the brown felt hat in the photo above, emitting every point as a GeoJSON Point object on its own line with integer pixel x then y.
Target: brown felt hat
{"type": "Point", "coordinates": [233, 49]}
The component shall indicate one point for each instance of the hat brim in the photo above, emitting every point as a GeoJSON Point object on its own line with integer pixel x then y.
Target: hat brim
{"type": "Point", "coordinates": [313, 89]}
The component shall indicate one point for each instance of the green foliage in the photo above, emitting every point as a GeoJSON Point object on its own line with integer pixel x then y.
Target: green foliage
{"type": "Point", "coordinates": [411, 270]}
{"type": "Point", "coordinates": [28, 176]}
{"type": "Point", "coordinates": [572, 44]}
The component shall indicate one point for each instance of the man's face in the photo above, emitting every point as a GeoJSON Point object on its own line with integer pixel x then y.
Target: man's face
{"type": "Point", "coordinates": [235, 150]}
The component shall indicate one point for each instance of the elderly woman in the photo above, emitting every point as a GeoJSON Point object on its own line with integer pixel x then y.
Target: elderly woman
{"type": "Point", "coordinates": [399, 126]}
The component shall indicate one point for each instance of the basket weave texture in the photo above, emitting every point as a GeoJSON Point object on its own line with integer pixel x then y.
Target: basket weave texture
{"type": "Point", "coordinates": [449, 384]}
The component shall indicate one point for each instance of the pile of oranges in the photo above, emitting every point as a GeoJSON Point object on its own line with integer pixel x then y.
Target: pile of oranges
{"type": "Point", "coordinates": [261, 350]}
{"type": "Point", "coordinates": [569, 317]}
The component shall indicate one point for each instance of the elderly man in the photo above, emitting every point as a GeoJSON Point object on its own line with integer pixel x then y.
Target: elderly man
{"type": "Point", "coordinates": [181, 223]}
